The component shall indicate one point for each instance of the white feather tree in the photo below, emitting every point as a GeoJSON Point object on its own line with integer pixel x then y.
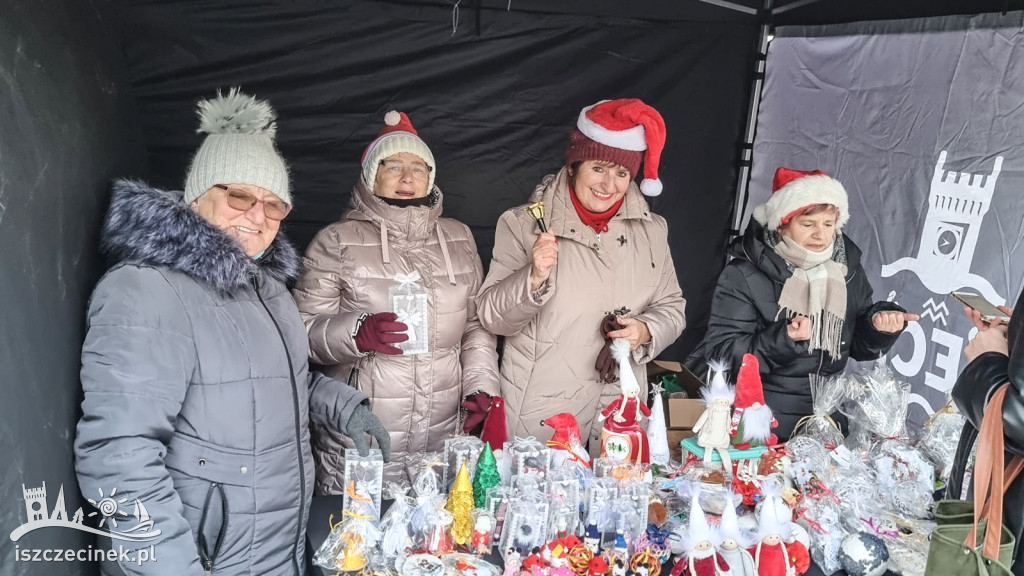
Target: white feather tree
{"type": "Point", "coordinates": [657, 436]}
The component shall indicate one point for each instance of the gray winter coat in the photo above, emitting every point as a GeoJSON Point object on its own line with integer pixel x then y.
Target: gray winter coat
{"type": "Point", "coordinates": [197, 392]}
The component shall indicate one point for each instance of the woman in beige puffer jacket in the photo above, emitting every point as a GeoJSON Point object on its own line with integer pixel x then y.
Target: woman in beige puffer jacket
{"type": "Point", "coordinates": [548, 293]}
{"type": "Point", "coordinates": [396, 229]}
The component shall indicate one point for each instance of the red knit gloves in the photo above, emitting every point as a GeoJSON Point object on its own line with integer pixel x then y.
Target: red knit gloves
{"type": "Point", "coordinates": [379, 331]}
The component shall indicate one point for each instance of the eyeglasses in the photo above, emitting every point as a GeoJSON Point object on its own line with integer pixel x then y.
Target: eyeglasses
{"type": "Point", "coordinates": [244, 201]}
{"type": "Point", "coordinates": [395, 168]}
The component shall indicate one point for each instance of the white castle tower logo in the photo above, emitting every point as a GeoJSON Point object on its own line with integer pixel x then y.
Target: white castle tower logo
{"type": "Point", "coordinates": [957, 204]}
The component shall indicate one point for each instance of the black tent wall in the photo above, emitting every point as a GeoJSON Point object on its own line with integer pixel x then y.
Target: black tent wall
{"type": "Point", "coordinates": [494, 96]}
{"type": "Point", "coordinates": [67, 126]}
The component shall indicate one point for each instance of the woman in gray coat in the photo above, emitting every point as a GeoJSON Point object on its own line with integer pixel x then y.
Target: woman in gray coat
{"type": "Point", "coordinates": [197, 392]}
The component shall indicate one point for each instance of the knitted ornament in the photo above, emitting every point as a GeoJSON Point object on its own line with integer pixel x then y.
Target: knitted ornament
{"type": "Point", "coordinates": [495, 430]}
{"type": "Point", "coordinates": [624, 131]}
{"type": "Point", "coordinates": [239, 147]}
{"type": "Point", "coordinates": [794, 191]}
{"type": "Point", "coordinates": [397, 136]}
{"type": "Point", "coordinates": [752, 419]}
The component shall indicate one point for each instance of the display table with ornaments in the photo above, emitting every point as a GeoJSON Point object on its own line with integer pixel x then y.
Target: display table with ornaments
{"type": "Point", "coordinates": [319, 527]}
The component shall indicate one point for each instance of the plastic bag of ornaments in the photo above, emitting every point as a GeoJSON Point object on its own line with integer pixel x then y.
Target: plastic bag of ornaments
{"type": "Point", "coordinates": [826, 396]}
{"type": "Point", "coordinates": [905, 476]}
{"type": "Point", "coordinates": [395, 525]}
{"type": "Point", "coordinates": [364, 475]}
{"type": "Point", "coordinates": [410, 302]}
{"type": "Point", "coordinates": [349, 545]}
{"type": "Point", "coordinates": [526, 523]}
{"type": "Point", "coordinates": [459, 449]}
{"type": "Point", "coordinates": [563, 489]}
{"type": "Point", "coordinates": [939, 438]}
{"type": "Point", "coordinates": [528, 456]}
{"type": "Point", "coordinates": [878, 401]}
{"type": "Point", "coordinates": [498, 500]}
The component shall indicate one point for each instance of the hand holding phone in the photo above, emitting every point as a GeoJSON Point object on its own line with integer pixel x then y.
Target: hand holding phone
{"type": "Point", "coordinates": [988, 310]}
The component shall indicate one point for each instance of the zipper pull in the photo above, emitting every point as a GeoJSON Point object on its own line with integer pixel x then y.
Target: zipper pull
{"type": "Point", "coordinates": [207, 567]}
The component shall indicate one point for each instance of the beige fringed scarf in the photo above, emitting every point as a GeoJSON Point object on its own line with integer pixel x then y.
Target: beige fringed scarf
{"type": "Point", "coordinates": [817, 290]}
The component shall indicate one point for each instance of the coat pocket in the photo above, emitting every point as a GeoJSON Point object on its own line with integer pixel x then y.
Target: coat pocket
{"type": "Point", "coordinates": [215, 486]}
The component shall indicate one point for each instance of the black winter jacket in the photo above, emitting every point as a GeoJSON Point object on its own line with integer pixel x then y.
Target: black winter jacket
{"type": "Point", "coordinates": [745, 319]}
{"type": "Point", "coordinates": [971, 392]}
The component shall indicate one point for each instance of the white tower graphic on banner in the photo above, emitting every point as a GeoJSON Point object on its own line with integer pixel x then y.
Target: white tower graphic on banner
{"type": "Point", "coordinates": [957, 204]}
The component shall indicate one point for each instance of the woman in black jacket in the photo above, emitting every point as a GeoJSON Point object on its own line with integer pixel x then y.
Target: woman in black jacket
{"type": "Point", "coordinates": [994, 358]}
{"type": "Point", "coordinates": [795, 295]}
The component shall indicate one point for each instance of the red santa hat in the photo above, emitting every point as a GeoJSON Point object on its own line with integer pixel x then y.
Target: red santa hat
{"type": "Point", "coordinates": [397, 136]}
{"type": "Point", "coordinates": [624, 131]}
{"type": "Point", "coordinates": [794, 191]}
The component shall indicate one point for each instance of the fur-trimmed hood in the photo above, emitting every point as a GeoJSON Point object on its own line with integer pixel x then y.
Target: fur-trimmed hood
{"type": "Point", "coordinates": [145, 225]}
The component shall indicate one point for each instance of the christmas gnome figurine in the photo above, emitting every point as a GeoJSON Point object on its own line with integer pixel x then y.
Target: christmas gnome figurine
{"type": "Point", "coordinates": [773, 555]}
{"type": "Point", "coordinates": [700, 557]}
{"type": "Point", "coordinates": [752, 419]}
{"type": "Point", "coordinates": [567, 443]}
{"type": "Point", "coordinates": [622, 437]}
{"type": "Point", "coordinates": [485, 418]}
{"type": "Point", "coordinates": [735, 542]}
{"type": "Point", "coordinates": [712, 428]}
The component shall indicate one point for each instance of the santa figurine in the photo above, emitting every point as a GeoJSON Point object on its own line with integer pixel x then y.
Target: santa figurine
{"type": "Point", "coordinates": [567, 442]}
{"type": "Point", "coordinates": [735, 542]}
{"type": "Point", "coordinates": [712, 428]}
{"type": "Point", "coordinates": [481, 541]}
{"type": "Point", "coordinates": [622, 437]}
{"type": "Point", "coordinates": [752, 419]}
{"type": "Point", "coordinates": [775, 554]}
{"type": "Point", "coordinates": [700, 557]}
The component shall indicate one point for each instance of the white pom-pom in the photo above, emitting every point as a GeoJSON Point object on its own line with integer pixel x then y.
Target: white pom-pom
{"type": "Point", "coordinates": [651, 187]}
{"type": "Point", "coordinates": [236, 113]}
{"type": "Point", "coordinates": [620, 349]}
{"type": "Point", "coordinates": [392, 118]}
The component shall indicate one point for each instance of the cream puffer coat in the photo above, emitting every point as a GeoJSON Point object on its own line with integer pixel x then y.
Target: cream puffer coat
{"type": "Point", "coordinates": [348, 269]}
{"type": "Point", "coordinates": [552, 341]}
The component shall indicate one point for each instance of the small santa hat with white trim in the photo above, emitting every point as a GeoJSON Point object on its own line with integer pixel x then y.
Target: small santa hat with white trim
{"type": "Point", "coordinates": [794, 191]}
{"type": "Point", "coordinates": [397, 136]}
{"type": "Point", "coordinates": [624, 131]}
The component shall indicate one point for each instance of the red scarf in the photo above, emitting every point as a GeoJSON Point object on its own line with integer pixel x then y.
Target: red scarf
{"type": "Point", "coordinates": [596, 220]}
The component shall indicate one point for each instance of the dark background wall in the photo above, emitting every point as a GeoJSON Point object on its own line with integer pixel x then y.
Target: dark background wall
{"type": "Point", "coordinates": [494, 98]}
{"type": "Point", "coordinates": [67, 126]}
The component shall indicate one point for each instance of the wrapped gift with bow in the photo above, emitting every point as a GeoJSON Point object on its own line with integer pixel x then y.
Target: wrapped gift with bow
{"type": "Point", "coordinates": [410, 303]}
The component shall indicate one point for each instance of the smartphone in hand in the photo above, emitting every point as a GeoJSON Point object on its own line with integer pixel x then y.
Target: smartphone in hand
{"type": "Point", "coordinates": [988, 310]}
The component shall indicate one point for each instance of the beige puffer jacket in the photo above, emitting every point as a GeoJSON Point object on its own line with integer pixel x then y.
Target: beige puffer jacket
{"type": "Point", "coordinates": [348, 269]}
{"type": "Point", "coordinates": [552, 342]}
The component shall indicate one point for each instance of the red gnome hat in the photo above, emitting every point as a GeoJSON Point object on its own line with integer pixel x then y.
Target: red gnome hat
{"type": "Point", "coordinates": [750, 411]}
{"type": "Point", "coordinates": [495, 431]}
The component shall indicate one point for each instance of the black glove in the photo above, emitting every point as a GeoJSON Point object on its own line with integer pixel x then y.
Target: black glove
{"type": "Point", "coordinates": [363, 422]}
{"type": "Point", "coordinates": [606, 366]}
